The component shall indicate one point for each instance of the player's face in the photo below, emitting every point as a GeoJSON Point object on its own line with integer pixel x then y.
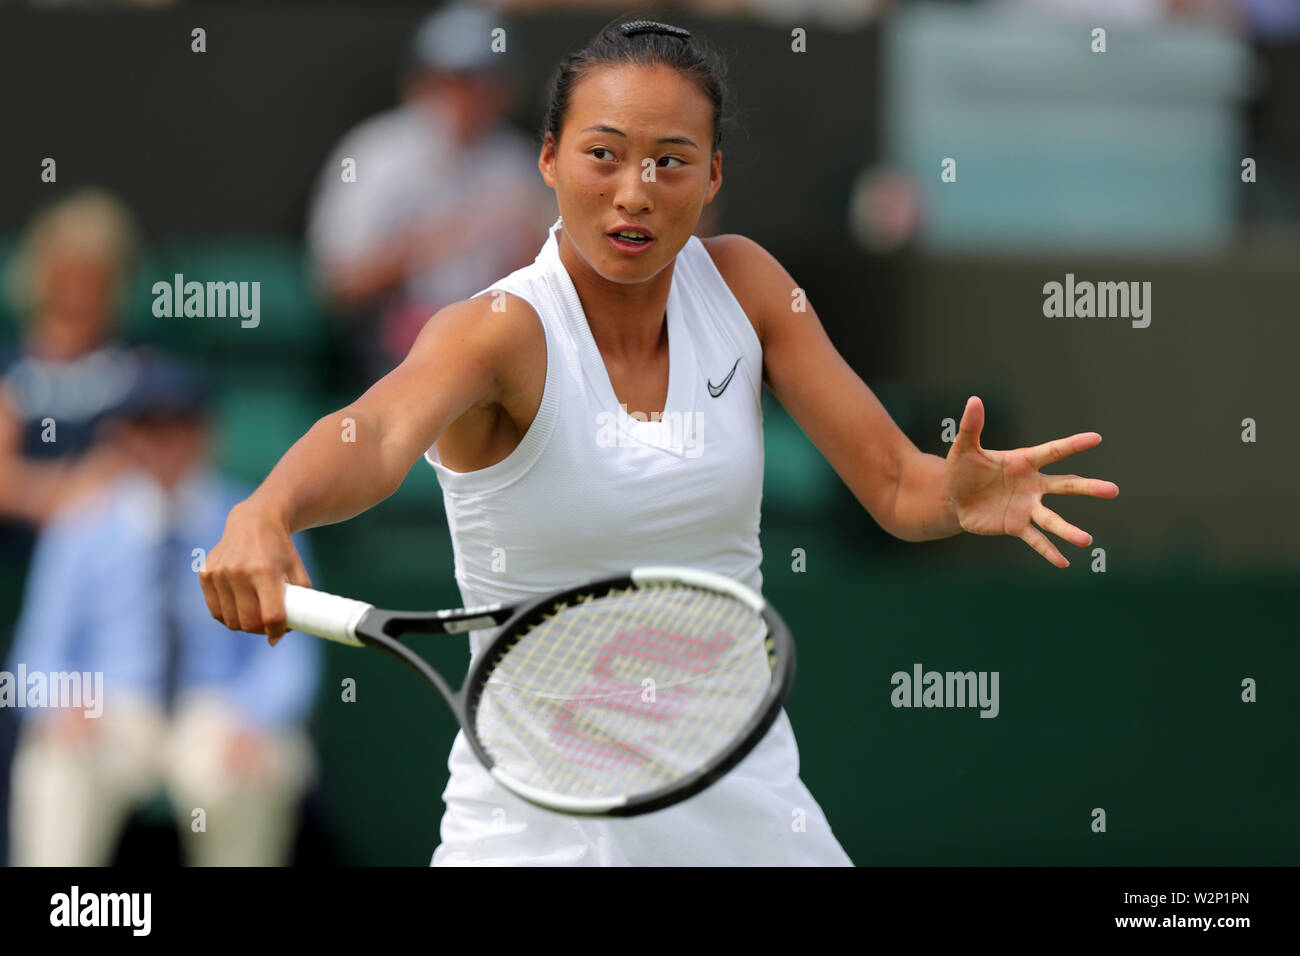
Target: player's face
{"type": "Point", "coordinates": [610, 167]}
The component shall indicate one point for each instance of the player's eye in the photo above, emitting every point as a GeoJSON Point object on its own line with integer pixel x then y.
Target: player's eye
{"type": "Point", "coordinates": [673, 159]}
{"type": "Point", "coordinates": [599, 149]}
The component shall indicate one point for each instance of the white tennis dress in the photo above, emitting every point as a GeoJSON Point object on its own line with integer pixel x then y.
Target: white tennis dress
{"type": "Point", "coordinates": [592, 491]}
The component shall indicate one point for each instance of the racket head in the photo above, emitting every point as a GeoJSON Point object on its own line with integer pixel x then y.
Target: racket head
{"type": "Point", "coordinates": [666, 622]}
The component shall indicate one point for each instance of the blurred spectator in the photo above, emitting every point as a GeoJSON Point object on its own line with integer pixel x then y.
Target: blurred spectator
{"type": "Point", "coordinates": [447, 198]}
{"type": "Point", "coordinates": [69, 281]}
{"type": "Point", "coordinates": [214, 716]}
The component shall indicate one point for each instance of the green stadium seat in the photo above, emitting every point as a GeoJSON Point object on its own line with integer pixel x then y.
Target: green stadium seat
{"type": "Point", "coordinates": [257, 424]}
{"type": "Point", "coordinates": [8, 317]}
{"type": "Point", "coordinates": [797, 480]}
{"type": "Point", "coordinates": [289, 313]}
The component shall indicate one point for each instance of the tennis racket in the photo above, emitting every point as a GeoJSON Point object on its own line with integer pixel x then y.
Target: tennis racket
{"type": "Point", "coordinates": [618, 697]}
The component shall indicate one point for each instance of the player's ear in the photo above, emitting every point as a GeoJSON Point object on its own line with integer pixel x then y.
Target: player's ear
{"type": "Point", "coordinates": [546, 159]}
{"type": "Point", "coordinates": [715, 176]}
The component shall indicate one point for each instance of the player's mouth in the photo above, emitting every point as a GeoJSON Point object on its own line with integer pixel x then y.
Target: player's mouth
{"type": "Point", "coordinates": [632, 240]}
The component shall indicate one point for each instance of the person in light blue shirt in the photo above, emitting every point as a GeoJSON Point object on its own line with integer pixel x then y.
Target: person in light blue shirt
{"type": "Point", "coordinates": [128, 683]}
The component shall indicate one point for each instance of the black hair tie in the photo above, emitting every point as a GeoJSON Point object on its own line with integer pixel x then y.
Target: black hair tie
{"type": "Point", "coordinates": [634, 27]}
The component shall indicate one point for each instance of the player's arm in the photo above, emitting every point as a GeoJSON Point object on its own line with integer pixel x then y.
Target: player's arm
{"type": "Point", "coordinates": [354, 458]}
{"type": "Point", "coordinates": [901, 487]}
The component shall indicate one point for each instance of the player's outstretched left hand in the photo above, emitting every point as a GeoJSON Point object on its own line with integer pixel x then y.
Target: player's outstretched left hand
{"type": "Point", "coordinates": [1001, 492]}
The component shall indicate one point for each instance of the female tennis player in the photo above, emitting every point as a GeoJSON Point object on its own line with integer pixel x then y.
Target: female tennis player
{"type": "Point", "coordinates": [600, 409]}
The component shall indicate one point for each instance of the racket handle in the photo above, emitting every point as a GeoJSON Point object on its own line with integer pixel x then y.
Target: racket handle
{"type": "Point", "coordinates": [324, 615]}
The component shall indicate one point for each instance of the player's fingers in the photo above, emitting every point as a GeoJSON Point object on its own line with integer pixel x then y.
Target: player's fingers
{"type": "Point", "coordinates": [971, 424]}
{"type": "Point", "coordinates": [1059, 448]}
{"type": "Point", "coordinates": [1074, 485]}
{"type": "Point", "coordinates": [269, 588]}
{"type": "Point", "coordinates": [1038, 541]}
{"type": "Point", "coordinates": [1049, 520]}
{"type": "Point", "coordinates": [226, 596]}
{"type": "Point", "coordinates": [210, 596]}
{"type": "Point", "coordinates": [247, 604]}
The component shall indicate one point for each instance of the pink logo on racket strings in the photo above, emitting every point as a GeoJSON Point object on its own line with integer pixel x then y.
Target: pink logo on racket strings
{"type": "Point", "coordinates": [611, 692]}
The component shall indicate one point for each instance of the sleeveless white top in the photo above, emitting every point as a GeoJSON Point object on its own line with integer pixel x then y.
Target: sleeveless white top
{"type": "Point", "coordinates": [591, 491]}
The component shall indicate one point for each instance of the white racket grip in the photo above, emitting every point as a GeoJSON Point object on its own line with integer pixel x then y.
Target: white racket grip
{"type": "Point", "coordinates": [325, 615]}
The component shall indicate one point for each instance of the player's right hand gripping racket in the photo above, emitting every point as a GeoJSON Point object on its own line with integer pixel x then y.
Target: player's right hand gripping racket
{"type": "Point", "coordinates": [618, 697]}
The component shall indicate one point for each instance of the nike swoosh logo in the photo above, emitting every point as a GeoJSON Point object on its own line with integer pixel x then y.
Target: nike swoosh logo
{"type": "Point", "coordinates": [716, 390]}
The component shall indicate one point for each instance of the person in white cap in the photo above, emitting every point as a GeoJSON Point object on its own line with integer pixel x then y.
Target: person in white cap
{"type": "Point", "coordinates": [425, 203]}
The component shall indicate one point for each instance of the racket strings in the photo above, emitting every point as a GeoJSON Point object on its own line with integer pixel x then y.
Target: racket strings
{"type": "Point", "coordinates": [626, 693]}
{"type": "Point", "coordinates": [501, 684]}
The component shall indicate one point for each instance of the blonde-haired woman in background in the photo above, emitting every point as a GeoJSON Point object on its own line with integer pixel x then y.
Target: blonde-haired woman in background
{"type": "Point", "coordinates": [68, 282]}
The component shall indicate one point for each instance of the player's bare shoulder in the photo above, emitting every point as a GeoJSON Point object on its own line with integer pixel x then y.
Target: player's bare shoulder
{"type": "Point", "coordinates": [759, 282]}
{"type": "Point", "coordinates": [492, 349]}
{"type": "Point", "coordinates": [520, 346]}
{"type": "Point", "coordinates": [498, 321]}
{"type": "Point", "coordinates": [472, 367]}
{"type": "Point", "coordinates": [494, 336]}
